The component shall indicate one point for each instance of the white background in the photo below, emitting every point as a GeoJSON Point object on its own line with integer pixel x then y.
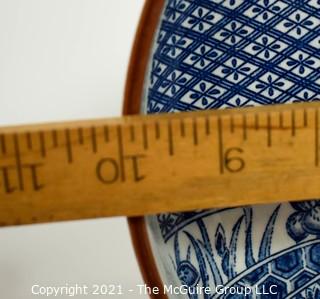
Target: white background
{"type": "Point", "coordinates": [63, 60]}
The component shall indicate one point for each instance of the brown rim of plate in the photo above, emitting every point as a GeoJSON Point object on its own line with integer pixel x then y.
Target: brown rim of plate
{"type": "Point", "coordinates": [140, 56]}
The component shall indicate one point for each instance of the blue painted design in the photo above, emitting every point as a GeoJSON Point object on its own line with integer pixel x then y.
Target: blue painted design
{"type": "Point", "coordinates": [213, 54]}
{"type": "Point", "coordinates": [304, 222]}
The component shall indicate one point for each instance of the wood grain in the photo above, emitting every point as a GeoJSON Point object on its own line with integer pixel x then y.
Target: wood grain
{"type": "Point", "coordinates": [174, 162]}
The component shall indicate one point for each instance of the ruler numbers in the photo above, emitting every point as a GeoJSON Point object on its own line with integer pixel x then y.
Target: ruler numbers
{"type": "Point", "coordinates": [231, 158]}
{"type": "Point", "coordinates": [141, 151]}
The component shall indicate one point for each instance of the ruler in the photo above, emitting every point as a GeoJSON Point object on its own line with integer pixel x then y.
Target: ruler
{"type": "Point", "coordinates": [152, 164]}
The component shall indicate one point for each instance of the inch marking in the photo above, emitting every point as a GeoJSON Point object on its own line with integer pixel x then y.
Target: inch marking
{"type": "Point", "coordinates": [244, 124]}
{"type": "Point", "coordinates": [54, 138]}
{"type": "Point", "coordinates": [121, 153]}
{"type": "Point", "coordinates": [293, 123]}
{"type": "Point", "coordinates": [42, 144]}
{"type": "Point", "coordinates": [208, 125]}
{"type": "Point", "coordinates": [145, 136]}
{"type": "Point", "coordinates": [132, 133]}
{"type": "Point", "coordinates": [220, 141]}
{"type": "Point", "coordinates": [3, 144]}
{"type": "Point", "coordinates": [80, 136]}
{"type": "Point", "coordinates": [29, 140]}
{"type": "Point", "coordinates": [281, 120]}
{"type": "Point", "coordinates": [170, 139]}
{"type": "Point", "coordinates": [269, 130]}
{"type": "Point", "coordinates": [157, 130]}
{"type": "Point", "coordinates": [256, 121]}
{"type": "Point", "coordinates": [316, 137]}
{"type": "Point", "coordinates": [305, 118]}
{"type": "Point", "coordinates": [18, 161]}
{"type": "Point", "coordinates": [182, 127]}
{"type": "Point", "coordinates": [231, 124]}
{"type": "Point", "coordinates": [94, 139]}
{"type": "Point", "coordinates": [68, 146]}
{"type": "Point", "coordinates": [195, 131]}
{"type": "Point", "coordinates": [106, 134]}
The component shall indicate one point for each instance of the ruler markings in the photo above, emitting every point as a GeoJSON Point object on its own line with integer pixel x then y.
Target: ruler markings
{"type": "Point", "coordinates": [182, 127]}
{"type": "Point", "coordinates": [41, 178]}
{"type": "Point", "coordinates": [68, 146]}
{"type": "Point", "coordinates": [170, 139]}
{"type": "Point", "coordinates": [80, 136]}
{"type": "Point", "coordinates": [29, 140]}
{"type": "Point", "coordinates": [106, 133]}
{"type": "Point", "coordinates": [256, 121]}
{"type": "Point", "coordinates": [3, 144]}
{"type": "Point", "coordinates": [94, 139]}
{"type": "Point", "coordinates": [18, 161]}
{"type": "Point", "coordinates": [244, 124]}
{"type": "Point", "coordinates": [220, 142]}
{"type": "Point", "coordinates": [269, 130]}
{"type": "Point", "coordinates": [42, 144]}
{"type": "Point", "coordinates": [208, 128]}
{"type": "Point", "coordinates": [121, 153]}
{"type": "Point", "coordinates": [54, 135]}
{"type": "Point", "coordinates": [281, 120]}
{"type": "Point", "coordinates": [145, 136]}
{"type": "Point", "coordinates": [305, 117]}
{"type": "Point", "coordinates": [195, 131]}
{"type": "Point", "coordinates": [231, 124]}
{"type": "Point", "coordinates": [132, 133]}
{"type": "Point", "coordinates": [157, 130]}
{"type": "Point", "coordinates": [293, 123]}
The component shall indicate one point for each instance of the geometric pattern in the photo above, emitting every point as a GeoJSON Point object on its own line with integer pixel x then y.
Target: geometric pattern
{"type": "Point", "coordinates": [294, 273]}
{"type": "Point", "coordinates": [215, 54]}
{"type": "Point", "coordinates": [232, 53]}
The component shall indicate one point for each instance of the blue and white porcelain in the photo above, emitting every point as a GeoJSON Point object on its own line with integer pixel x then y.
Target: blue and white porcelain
{"type": "Point", "coordinates": [215, 54]}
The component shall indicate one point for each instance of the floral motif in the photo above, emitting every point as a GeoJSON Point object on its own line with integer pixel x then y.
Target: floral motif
{"type": "Point", "coordinates": [200, 19]}
{"type": "Point", "coordinates": [305, 221]}
{"type": "Point", "coordinates": [263, 9]}
{"type": "Point", "coordinates": [299, 23]}
{"type": "Point", "coordinates": [205, 93]}
{"type": "Point", "coordinates": [271, 85]}
{"type": "Point", "coordinates": [174, 7]}
{"type": "Point", "coordinates": [235, 69]}
{"type": "Point", "coordinates": [232, 34]}
{"type": "Point", "coordinates": [302, 63]}
{"type": "Point", "coordinates": [173, 83]}
{"type": "Point", "coordinates": [266, 47]}
{"type": "Point", "coordinates": [173, 47]}
{"type": "Point", "coordinates": [166, 222]}
{"type": "Point", "coordinates": [203, 56]}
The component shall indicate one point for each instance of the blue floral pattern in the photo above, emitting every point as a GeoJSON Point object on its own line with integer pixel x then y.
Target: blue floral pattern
{"type": "Point", "coordinates": [305, 221]}
{"type": "Point", "coordinates": [213, 54]}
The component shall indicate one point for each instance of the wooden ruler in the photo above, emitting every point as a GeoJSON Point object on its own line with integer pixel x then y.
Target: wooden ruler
{"type": "Point", "coordinates": [151, 164]}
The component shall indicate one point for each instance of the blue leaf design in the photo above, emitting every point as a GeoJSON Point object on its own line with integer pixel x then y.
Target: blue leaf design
{"type": "Point", "coordinates": [225, 264]}
{"type": "Point", "coordinates": [204, 234]}
{"type": "Point", "coordinates": [201, 261]}
{"type": "Point", "coordinates": [249, 251]}
{"type": "Point", "coordinates": [220, 240]}
{"type": "Point", "coordinates": [233, 248]}
{"type": "Point", "coordinates": [265, 245]}
{"type": "Point", "coordinates": [213, 266]}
